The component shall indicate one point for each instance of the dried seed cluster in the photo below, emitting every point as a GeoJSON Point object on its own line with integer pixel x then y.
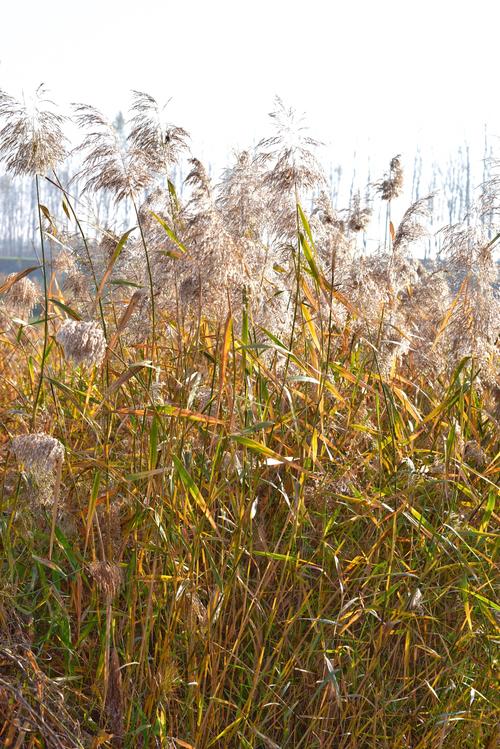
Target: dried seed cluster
{"type": "Point", "coordinates": [107, 576]}
{"type": "Point", "coordinates": [23, 295]}
{"type": "Point", "coordinates": [83, 342]}
{"type": "Point", "coordinates": [42, 457]}
{"type": "Point", "coordinates": [38, 451]}
{"type": "Point", "coordinates": [392, 186]}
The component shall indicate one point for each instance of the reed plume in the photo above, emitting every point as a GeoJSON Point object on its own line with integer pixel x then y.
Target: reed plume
{"type": "Point", "coordinates": [161, 142]}
{"type": "Point", "coordinates": [42, 457]}
{"type": "Point", "coordinates": [242, 197]}
{"type": "Point", "coordinates": [391, 186]}
{"type": "Point", "coordinates": [335, 247]}
{"type": "Point", "coordinates": [221, 264]}
{"type": "Point", "coordinates": [289, 154]}
{"type": "Point", "coordinates": [82, 342]}
{"type": "Point", "coordinates": [108, 578]}
{"type": "Point", "coordinates": [425, 303]}
{"type": "Point", "coordinates": [108, 163]}
{"type": "Point", "coordinates": [38, 451]}
{"type": "Point", "coordinates": [411, 228]}
{"type": "Point", "coordinates": [290, 167]}
{"type": "Point", "coordinates": [23, 295]}
{"type": "Point", "coordinates": [359, 218]}
{"type": "Point", "coordinates": [32, 141]}
{"type": "Point", "coordinates": [474, 326]}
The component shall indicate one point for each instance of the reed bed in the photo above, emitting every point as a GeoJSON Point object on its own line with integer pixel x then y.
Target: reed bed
{"type": "Point", "coordinates": [248, 474]}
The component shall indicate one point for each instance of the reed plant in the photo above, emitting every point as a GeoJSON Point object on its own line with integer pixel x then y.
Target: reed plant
{"type": "Point", "coordinates": [259, 508]}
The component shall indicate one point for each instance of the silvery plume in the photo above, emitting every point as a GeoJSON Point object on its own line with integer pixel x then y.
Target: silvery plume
{"type": "Point", "coordinates": [290, 152]}
{"type": "Point", "coordinates": [153, 135]}
{"type": "Point", "coordinates": [42, 457]}
{"type": "Point", "coordinates": [359, 218]}
{"type": "Point", "coordinates": [78, 290]}
{"type": "Point", "coordinates": [63, 262]}
{"type": "Point", "coordinates": [411, 228]}
{"type": "Point", "coordinates": [473, 328]}
{"type": "Point", "coordinates": [109, 162]}
{"type": "Point", "coordinates": [424, 305]}
{"type": "Point", "coordinates": [241, 197]}
{"type": "Point", "coordinates": [335, 249]}
{"type": "Point", "coordinates": [82, 342]}
{"type": "Point", "coordinates": [31, 140]}
{"type": "Point", "coordinates": [38, 451]}
{"type": "Point", "coordinates": [80, 265]}
{"type": "Point", "coordinates": [392, 185]}
{"type": "Point", "coordinates": [374, 285]}
{"type": "Point", "coordinates": [22, 295]}
{"type": "Point", "coordinates": [221, 267]}
{"type": "Point", "coordinates": [290, 167]}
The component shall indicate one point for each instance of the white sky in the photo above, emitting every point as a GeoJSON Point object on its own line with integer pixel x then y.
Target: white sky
{"type": "Point", "coordinates": [392, 71]}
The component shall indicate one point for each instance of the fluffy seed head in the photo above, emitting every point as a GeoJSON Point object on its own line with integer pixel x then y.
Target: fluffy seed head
{"type": "Point", "coordinates": [63, 262]}
{"type": "Point", "coordinates": [475, 455]}
{"type": "Point", "coordinates": [107, 576]}
{"type": "Point", "coordinates": [83, 342]}
{"type": "Point", "coordinates": [411, 227]}
{"type": "Point", "coordinates": [23, 295]}
{"type": "Point", "coordinates": [76, 286]}
{"type": "Point", "coordinates": [109, 163]}
{"type": "Point", "coordinates": [38, 451]}
{"type": "Point", "coordinates": [31, 140]}
{"type": "Point", "coordinates": [289, 167]}
{"type": "Point", "coordinates": [42, 457]}
{"type": "Point", "coordinates": [392, 186]}
{"type": "Point", "coordinates": [359, 218]}
{"type": "Point", "coordinates": [242, 198]}
{"type": "Point", "coordinates": [159, 140]}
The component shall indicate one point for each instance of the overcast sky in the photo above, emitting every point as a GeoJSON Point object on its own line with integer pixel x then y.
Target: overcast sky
{"type": "Point", "coordinates": [392, 71]}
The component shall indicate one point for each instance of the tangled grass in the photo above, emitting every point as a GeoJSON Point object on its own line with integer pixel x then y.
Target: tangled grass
{"type": "Point", "coordinates": [272, 517]}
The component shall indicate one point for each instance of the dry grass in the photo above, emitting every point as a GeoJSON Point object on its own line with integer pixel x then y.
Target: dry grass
{"type": "Point", "coordinates": [275, 522]}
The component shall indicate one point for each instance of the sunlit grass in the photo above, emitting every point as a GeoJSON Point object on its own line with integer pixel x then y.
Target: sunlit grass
{"type": "Point", "coordinates": [294, 573]}
{"type": "Point", "coordinates": [261, 535]}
